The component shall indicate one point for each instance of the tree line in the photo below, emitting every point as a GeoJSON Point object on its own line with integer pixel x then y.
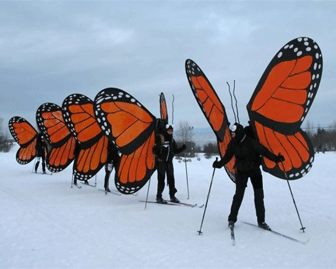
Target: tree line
{"type": "Point", "coordinates": [322, 138]}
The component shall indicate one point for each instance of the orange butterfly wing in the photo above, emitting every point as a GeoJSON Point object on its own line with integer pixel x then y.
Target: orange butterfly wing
{"type": "Point", "coordinates": [50, 121]}
{"type": "Point", "coordinates": [212, 109]}
{"type": "Point", "coordinates": [78, 114]}
{"type": "Point", "coordinates": [281, 102]}
{"type": "Point", "coordinates": [163, 108]}
{"type": "Point", "coordinates": [132, 128]}
{"type": "Point", "coordinates": [25, 135]}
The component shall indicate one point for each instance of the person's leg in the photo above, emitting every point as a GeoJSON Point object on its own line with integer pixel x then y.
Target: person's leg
{"type": "Point", "coordinates": [161, 170]}
{"type": "Point", "coordinates": [256, 180]}
{"type": "Point", "coordinates": [43, 164]}
{"type": "Point", "coordinates": [241, 180]}
{"type": "Point", "coordinates": [171, 181]}
{"type": "Point", "coordinates": [37, 163]}
{"type": "Point", "coordinates": [108, 170]}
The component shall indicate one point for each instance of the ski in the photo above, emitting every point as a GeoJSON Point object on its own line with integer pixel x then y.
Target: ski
{"type": "Point", "coordinates": [180, 203]}
{"type": "Point", "coordinates": [233, 240]}
{"type": "Point", "coordinates": [89, 185]}
{"type": "Point", "coordinates": [280, 234]}
{"type": "Point", "coordinates": [40, 173]}
{"type": "Point", "coordinates": [191, 205]}
{"type": "Point", "coordinates": [154, 202]}
{"type": "Point", "coordinates": [111, 192]}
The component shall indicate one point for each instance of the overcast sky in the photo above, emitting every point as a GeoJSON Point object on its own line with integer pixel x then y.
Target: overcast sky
{"type": "Point", "coordinates": [51, 49]}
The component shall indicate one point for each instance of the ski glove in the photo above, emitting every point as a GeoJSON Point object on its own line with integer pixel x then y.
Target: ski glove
{"type": "Point", "coordinates": [280, 158]}
{"type": "Point", "coordinates": [216, 164]}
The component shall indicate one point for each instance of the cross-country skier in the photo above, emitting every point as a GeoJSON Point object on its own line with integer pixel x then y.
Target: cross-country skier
{"type": "Point", "coordinates": [112, 161]}
{"type": "Point", "coordinates": [41, 150]}
{"type": "Point", "coordinates": [165, 149]}
{"type": "Point", "coordinates": [247, 151]}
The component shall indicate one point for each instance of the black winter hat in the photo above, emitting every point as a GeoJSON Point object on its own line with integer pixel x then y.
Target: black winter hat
{"type": "Point", "coordinates": [239, 131]}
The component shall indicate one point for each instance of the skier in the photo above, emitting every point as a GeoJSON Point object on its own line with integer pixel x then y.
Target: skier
{"type": "Point", "coordinates": [76, 154]}
{"type": "Point", "coordinates": [112, 161]}
{"type": "Point", "coordinates": [41, 149]}
{"type": "Point", "coordinates": [247, 151]}
{"type": "Point", "coordinates": [165, 148]}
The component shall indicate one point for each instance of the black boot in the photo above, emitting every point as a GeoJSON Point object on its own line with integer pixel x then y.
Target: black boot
{"type": "Point", "coordinates": [173, 199]}
{"type": "Point", "coordinates": [263, 225]}
{"type": "Point", "coordinates": [160, 200]}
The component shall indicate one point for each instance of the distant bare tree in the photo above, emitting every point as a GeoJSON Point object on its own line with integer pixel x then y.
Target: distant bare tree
{"type": "Point", "coordinates": [5, 142]}
{"type": "Point", "coordinates": [309, 129]}
{"type": "Point", "coordinates": [184, 134]}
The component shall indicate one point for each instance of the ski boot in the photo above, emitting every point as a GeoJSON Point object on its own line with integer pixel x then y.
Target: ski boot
{"type": "Point", "coordinates": [174, 200]}
{"type": "Point", "coordinates": [159, 200]}
{"type": "Point", "coordinates": [263, 225]}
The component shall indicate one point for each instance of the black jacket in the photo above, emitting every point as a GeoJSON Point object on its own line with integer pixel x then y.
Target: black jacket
{"type": "Point", "coordinates": [112, 155]}
{"type": "Point", "coordinates": [165, 148]}
{"type": "Point", "coordinates": [248, 154]}
{"type": "Point", "coordinates": [41, 147]}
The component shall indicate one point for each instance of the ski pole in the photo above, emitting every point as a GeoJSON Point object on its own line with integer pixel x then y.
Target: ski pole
{"type": "Point", "coordinates": [185, 162]}
{"type": "Point", "coordinates": [206, 203]}
{"type": "Point", "coordinates": [290, 189]}
{"type": "Point", "coordinates": [147, 194]}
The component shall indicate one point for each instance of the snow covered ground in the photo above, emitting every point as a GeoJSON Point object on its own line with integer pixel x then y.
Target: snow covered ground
{"type": "Point", "coordinates": [44, 223]}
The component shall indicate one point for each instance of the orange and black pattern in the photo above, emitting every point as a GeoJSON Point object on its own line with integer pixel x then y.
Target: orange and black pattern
{"type": "Point", "coordinates": [50, 121]}
{"type": "Point", "coordinates": [25, 135]}
{"type": "Point", "coordinates": [132, 128]}
{"type": "Point", "coordinates": [207, 99]}
{"type": "Point", "coordinates": [78, 114]}
{"type": "Point", "coordinates": [281, 102]}
{"type": "Point", "coordinates": [212, 109]}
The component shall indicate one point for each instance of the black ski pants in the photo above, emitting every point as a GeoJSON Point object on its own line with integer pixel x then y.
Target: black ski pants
{"type": "Point", "coordinates": [163, 168]}
{"type": "Point", "coordinates": [108, 171]}
{"type": "Point", "coordinates": [38, 162]}
{"type": "Point", "coordinates": [241, 183]}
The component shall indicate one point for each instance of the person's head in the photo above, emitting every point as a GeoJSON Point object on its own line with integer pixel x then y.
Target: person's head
{"type": "Point", "coordinates": [41, 137]}
{"type": "Point", "coordinates": [237, 130]}
{"type": "Point", "coordinates": [169, 129]}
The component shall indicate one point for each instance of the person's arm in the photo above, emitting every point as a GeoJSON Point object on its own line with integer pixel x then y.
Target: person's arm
{"type": "Point", "coordinates": [177, 150]}
{"type": "Point", "coordinates": [226, 158]}
{"type": "Point", "coordinates": [266, 153]}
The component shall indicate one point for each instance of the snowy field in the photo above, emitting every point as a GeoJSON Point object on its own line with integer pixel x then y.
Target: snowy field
{"type": "Point", "coordinates": [44, 223]}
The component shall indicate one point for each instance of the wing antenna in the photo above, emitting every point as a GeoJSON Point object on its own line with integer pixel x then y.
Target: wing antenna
{"type": "Point", "coordinates": [173, 109]}
{"type": "Point", "coordinates": [234, 95]}
{"type": "Point", "coordinates": [234, 113]}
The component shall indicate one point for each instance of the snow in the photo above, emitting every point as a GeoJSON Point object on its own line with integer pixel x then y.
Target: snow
{"type": "Point", "coordinates": [45, 223]}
